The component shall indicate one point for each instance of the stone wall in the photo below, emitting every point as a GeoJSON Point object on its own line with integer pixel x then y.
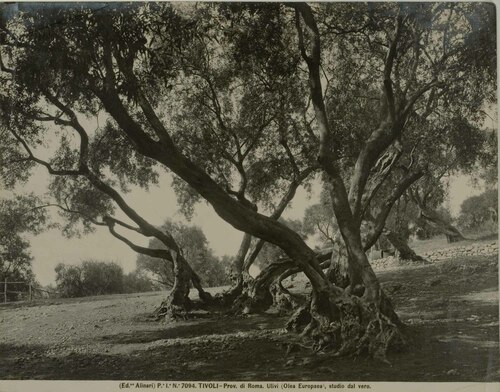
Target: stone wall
{"type": "Point", "coordinates": [477, 249]}
{"type": "Point", "coordinates": [469, 250]}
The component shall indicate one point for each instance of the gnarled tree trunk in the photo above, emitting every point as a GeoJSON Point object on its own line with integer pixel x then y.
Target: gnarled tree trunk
{"type": "Point", "coordinates": [178, 304]}
{"type": "Point", "coordinates": [439, 223]}
{"type": "Point", "coordinates": [238, 274]}
{"type": "Point", "coordinates": [403, 251]}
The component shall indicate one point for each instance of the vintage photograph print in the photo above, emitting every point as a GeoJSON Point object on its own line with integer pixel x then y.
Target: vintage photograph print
{"type": "Point", "coordinates": [228, 191]}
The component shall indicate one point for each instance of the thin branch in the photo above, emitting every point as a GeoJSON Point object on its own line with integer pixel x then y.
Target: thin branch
{"type": "Point", "coordinates": [389, 62]}
{"type": "Point", "coordinates": [158, 253]}
{"type": "Point", "coordinates": [397, 192]}
{"type": "Point", "coordinates": [74, 123]}
{"type": "Point", "coordinates": [47, 165]}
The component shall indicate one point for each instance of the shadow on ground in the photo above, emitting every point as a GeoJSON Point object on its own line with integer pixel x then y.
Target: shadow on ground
{"type": "Point", "coordinates": [451, 312]}
{"type": "Point", "coordinates": [223, 325]}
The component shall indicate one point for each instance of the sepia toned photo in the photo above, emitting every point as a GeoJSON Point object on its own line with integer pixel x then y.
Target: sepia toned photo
{"type": "Point", "coordinates": [205, 192]}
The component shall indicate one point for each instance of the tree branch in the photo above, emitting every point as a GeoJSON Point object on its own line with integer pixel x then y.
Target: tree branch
{"type": "Point", "coordinates": [50, 169]}
{"type": "Point", "coordinates": [389, 62]}
{"type": "Point", "coordinates": [382, 175]}
{"type": "Point", "coordinates": [381, 218]}
{"type": "Point", "coordinates": [158, 253]}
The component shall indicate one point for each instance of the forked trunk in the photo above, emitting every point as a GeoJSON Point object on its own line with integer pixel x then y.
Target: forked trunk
{"type": "Point", "coordinates": [359, 319]}
{"type": "Point", "coordinates": [258, 293]}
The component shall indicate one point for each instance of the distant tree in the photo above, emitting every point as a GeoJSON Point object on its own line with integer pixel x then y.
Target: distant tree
{"type": "Point", "coordinates": [476, 211]}
{"type": "Point", "coordinates": [320, 220]}
{"type": "Point", "coordinates": [69, 280]}
{"type": "Point", "coordinates": [194, 248]}
{"type": "Point", "coordinates": [91, 277]}
{"type": "Point", "coordinates": [18, 217]}
{"type": "Point", "coordinates": [101, 277]}
{"type": "Point", "coordinates": [138, 282]}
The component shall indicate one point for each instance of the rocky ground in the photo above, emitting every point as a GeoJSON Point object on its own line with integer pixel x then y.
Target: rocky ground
{"type": "Point", "coordinates": [450, 307]}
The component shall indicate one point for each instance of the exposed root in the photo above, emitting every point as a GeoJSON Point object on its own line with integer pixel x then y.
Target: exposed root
{"type": "Point", "coordinates": [299, 320]}
{"type": "Point", "coordinates": [252, 301]}
{"type": "Point", "coordinates": [351, 327]}
{"type": "Point", "coordinates": [283, 300]}
{"type": "Point", "coordinates": [171, 312]}
{"type": "Point", "coordinates": [228, 297]}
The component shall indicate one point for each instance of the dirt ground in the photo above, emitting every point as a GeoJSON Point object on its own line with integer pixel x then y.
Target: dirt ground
{"type": "Point", "coordinates": [450, 308]}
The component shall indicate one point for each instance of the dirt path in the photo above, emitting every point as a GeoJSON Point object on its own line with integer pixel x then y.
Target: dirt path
{"type": "Point", "coordinates": [450, 307]}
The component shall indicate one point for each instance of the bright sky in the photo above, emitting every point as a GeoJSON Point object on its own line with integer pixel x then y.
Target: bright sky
{"type": "Point", "coordinates": [50, 248]}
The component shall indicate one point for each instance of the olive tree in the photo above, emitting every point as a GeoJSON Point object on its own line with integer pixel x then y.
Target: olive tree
{"type": "Point", "coordinates": [131, 64]}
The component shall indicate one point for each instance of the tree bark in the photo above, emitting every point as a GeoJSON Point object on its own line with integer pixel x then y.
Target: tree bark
{"type": "Point", "coordinates": [178, 303]}
{"type": "Point", "coordinates": [238, 275]}
{"type": "Point", "coordinates": [403, 251]}
{"type": "Point", "coordinates": [333, 310]}
{"type": "Point", "coordinates": [439, 223]}
{"type": "Point", "coordinates": [348, 322]}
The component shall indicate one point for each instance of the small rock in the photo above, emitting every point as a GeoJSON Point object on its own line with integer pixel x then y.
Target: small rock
{"type": "Point", "coordinates": [452, 372]}
{"type": "Point", "coordinates": [434, 282]}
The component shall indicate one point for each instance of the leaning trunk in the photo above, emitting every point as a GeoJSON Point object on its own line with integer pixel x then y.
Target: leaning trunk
{"type": "Point", "coordinates": [178, 304]}
{"type": "Point", "coordinates": [338, 270]}
{"type": "Point", "coordinates": [403, 251]}
{"type": "Point", "coordinates": [435, 220]}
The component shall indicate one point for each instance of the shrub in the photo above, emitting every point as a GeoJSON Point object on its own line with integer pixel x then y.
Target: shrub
{"type": "Point", "coordinates": [91, 277]}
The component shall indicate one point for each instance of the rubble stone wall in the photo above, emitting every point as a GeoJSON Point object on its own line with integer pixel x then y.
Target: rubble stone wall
{"type": "Point", "coordinates": [478, 249]}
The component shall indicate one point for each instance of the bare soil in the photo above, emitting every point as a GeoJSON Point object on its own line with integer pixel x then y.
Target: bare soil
{"type": "Point", "coordinates": [450, 308]}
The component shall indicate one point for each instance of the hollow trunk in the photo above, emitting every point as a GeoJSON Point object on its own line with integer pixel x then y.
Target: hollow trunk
{"type": "Point", "coordinates": [265, 290]}
{"type": "Point", "coordinates": [403, 251]}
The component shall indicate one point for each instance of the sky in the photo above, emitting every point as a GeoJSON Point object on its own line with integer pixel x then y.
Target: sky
{"type": "Point", "coordinates": [159, 203]}
{"type": "Point", "coordinates": [50, 248]}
